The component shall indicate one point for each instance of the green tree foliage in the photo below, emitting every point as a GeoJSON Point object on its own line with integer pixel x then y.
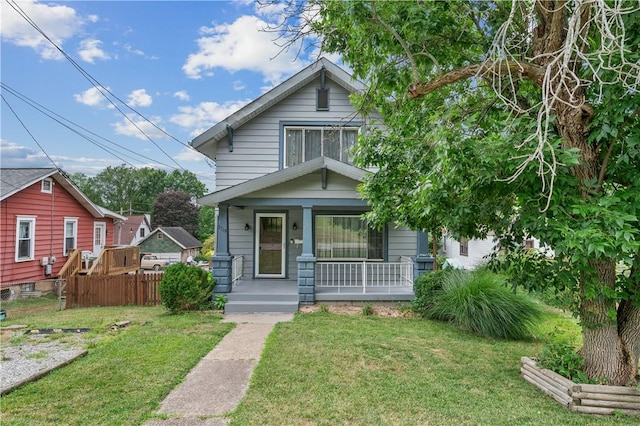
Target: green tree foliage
{"type": "Point", "coordinates": [130, 190]}
{"type": "Point", "coordinates": [174, 208]}
{"type": "Point", "coordinates": [522, 118]}
{"type": "Point", "coordinates": [206, 221]}
{"type": "Point", "coordinates": [208, 246]}
{"type": "Point", "coordinates": [186, 288]}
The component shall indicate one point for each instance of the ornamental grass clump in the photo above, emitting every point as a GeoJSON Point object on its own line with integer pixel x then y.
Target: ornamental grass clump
{"type": "Point", "coordinates": [479, 302]}
{"type": "Point", "coordinates": [186, 288]}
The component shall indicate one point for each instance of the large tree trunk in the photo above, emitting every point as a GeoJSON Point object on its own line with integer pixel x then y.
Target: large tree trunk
{"type": "Point", "coordinates": [606, 354]}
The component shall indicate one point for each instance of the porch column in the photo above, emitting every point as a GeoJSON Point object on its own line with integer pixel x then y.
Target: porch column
{"type": "Point", "coordinates": [307, 260]}
{"type": "Point", "coordinates": [221, 259]}
{"type": "Point", "coordinates": [423, 262]}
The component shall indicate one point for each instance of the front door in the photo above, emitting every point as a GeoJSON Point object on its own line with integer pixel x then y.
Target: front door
{"type": "Point", "coordinates": [270, 245]}
{"type": "Point", "coordinates": [99, 235]}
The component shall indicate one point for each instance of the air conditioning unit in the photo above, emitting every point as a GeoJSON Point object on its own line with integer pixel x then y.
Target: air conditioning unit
{"type": "Point", "coordinates": [44, 261]}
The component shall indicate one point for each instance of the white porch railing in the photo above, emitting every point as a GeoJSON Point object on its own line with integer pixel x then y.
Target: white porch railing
{"type": "Point", "coordinates": [365, 276]}
{"type": "Point", "coordinates": [237, 265]}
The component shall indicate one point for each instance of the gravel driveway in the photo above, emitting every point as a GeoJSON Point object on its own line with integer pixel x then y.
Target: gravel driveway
{"type": "Point", "coordinates": [34, 356]}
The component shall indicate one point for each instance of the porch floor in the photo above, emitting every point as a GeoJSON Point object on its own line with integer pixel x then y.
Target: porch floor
{"type": "Point", "coordinates": [290, 287]}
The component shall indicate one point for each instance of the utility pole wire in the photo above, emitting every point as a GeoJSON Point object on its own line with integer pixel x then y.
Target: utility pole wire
{"type": "Point", "coordinates": [101, 88]}
{"type": "Point", "coordinates": [27, 130]}
{"type": "Point", "coordinates": [59, 119]}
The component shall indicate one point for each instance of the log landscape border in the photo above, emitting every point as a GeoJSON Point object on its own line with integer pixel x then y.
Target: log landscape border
{"type": "Point", "coordinates": [583, 398]}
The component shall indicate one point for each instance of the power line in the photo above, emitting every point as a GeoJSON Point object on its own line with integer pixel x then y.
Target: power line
{"type": "Point", "coordinates": [101, 88]}
{"type": "Point", "coordinates": [59, 119]}
{"type": "Point", "coordinates": [27, 130]}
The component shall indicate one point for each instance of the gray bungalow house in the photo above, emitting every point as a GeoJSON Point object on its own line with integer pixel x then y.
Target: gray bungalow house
{"type": "Point", "coordinates": [289, 224]}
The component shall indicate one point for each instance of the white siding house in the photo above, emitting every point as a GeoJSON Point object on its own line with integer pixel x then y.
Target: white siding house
{"type": "Point", "coordinates": [287, 199]}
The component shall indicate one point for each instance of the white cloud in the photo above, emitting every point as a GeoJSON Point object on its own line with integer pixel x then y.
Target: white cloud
{"type": "Point", "coordinates": [59, 22]}
{"type": "Point", "coordinates": [190, 154]}
{"type": "Point", "coordinates": [242, 45]}
{"type": "Point", "coordinates": [206, 114]}
{"type": "Point", "coordinates": [182, 95]}
{"type": "Point", "coordinates": [238, 85]}
{"type": "Point", "coordinates": [90, 50]}
{"type": "Point", "coordinates": [14, 155]}
{"type": "Point", "coordinates": [140, 128]}
{"type": "Point", "coordinates": [91, 97]}
{"type": "Point", "coordinates": [139, 97]}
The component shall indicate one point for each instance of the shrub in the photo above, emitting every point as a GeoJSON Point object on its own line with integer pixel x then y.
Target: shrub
{"type": "Point", "coordinates": [478, 302]}
{"type": "Point", "coordinates": [220, 301]}
{"type": "Point", "coordinates": [186, 288]}
{"type": "Point", "coordinates": [562, 358]}
{"type": "Point", "coordinates": [367, 309]}
{"type": "Point", "coordinates": [426, 287]}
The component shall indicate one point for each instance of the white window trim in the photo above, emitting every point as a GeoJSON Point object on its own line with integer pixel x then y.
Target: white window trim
{"type": "Point", "coordinates": [322, 129]}
{"type": "Point", "coordinates": [43, 183]}
{"type": "Point", "coordinates": [67, 220]}
{"type": "Point", "coordinates": [32, 237]}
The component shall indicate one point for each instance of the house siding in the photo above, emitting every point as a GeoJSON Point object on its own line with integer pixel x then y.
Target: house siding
{"type": "Point", "coordinates": [401, 242]}
{"type": "Point", "coordinates": [478, 250]}
{"type": "Point", "coordinates": [310, 186]}
{"type": "Point", "coordinates": [50, 211]}
{"type": "Point", "coordinates": [256, 145]}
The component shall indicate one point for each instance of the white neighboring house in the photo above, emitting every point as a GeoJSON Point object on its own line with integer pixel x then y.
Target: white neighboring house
{"type": "Point", "coordinates": [469, 254]}
{"type": "Point", "coordinates": [131, 231]}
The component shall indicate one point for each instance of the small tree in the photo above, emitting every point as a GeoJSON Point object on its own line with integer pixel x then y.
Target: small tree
{"type": "Point", "coordinates": [174, 208]}
{"type": "Point", "coordinates": [186, 288]}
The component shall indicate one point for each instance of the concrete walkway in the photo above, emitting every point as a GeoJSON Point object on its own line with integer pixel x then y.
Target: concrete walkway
{"type": "Point", "coordinates": [220, 380]}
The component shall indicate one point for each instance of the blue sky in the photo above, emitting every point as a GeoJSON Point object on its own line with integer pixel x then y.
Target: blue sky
{"type": "Point", "coordinates": [182, 65]}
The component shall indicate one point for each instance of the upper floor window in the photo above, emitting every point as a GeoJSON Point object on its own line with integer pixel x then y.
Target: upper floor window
{"type": "Point", "coordinates": [141, 232]}
{"type": "Point", "coordinates": [25, 238]}
{"type": "Point", "coordinates": [47, 185]}
{"type": "Point", "coordinates": [306, 143]}
{"type": "Point", "coordinates": [70, 234]}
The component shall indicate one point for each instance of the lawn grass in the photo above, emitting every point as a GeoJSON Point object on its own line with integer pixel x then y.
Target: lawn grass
{"type": "Point", "coordinates": [125, 375]}
{"type": "Point", "coordinates": [319, 369]}
{"type": "Point", "coordinates": [328, 369]}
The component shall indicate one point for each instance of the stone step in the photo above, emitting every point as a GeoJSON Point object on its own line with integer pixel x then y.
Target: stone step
{"type": "Point", "coordinates": [252, 307]}
{"type": "Point", "coordinates": [262, 297]}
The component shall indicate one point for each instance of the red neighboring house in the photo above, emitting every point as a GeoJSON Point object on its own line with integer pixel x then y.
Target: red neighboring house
{"type": "Point", "coordinates": [43, 216]}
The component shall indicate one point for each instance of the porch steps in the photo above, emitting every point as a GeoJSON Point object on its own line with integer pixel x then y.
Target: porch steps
{"type": "Point", "coordinates": [245, 303]}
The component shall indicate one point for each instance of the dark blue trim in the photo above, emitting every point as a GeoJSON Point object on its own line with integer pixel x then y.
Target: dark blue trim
{"type": "Point", "coordinates": [298, 202]}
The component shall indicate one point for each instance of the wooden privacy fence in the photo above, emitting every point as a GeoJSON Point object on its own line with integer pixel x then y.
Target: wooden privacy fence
{"type": "Point", "coordinates": [84, 291]}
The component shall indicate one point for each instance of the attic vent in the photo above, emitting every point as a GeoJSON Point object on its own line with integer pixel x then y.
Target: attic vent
{"type": "Point", "coordinates": [322, 100]}
{"type": "Point", "coordinates": [47, 185]}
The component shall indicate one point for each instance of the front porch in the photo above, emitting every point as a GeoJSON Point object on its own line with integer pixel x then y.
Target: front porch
{"type": "Point", "coordinates": [332, 282]}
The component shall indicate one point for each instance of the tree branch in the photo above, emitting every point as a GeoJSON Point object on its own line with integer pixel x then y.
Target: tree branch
{"type": "Point", "coordinates": [405, 47]}
{"type": "Point", "coordinates": [533, 72]}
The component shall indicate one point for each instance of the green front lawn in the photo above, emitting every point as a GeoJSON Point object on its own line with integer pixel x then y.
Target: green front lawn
{"type": "Point", "coordinates": [327, 369]}
{"type": "Point", "coordinates": [320, 369]}
{"type": "Point", "coordinates": [125, 375]}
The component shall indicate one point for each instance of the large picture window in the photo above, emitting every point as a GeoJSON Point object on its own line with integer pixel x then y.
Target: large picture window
{"type": "Point", "coordinates": [25, 238]}
{"type": "Point", "coordinates": [70, 234]}
{"type": "Point", "coordinates": [347, 237]}
{"type": "Point", "coordinates": [306, 143]}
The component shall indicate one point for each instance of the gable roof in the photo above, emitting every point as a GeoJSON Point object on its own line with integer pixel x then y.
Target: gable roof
{"type": "Point", "coordinates": [281, 176]}
{"type": "Point", "coordinates": [178, 235]}
{"type": "Point", "coordinates": [130, 225]}
{"type": "Point", "coordinates": [275, 95]}
{"type": "Point", "coordinates": [14, 180]}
